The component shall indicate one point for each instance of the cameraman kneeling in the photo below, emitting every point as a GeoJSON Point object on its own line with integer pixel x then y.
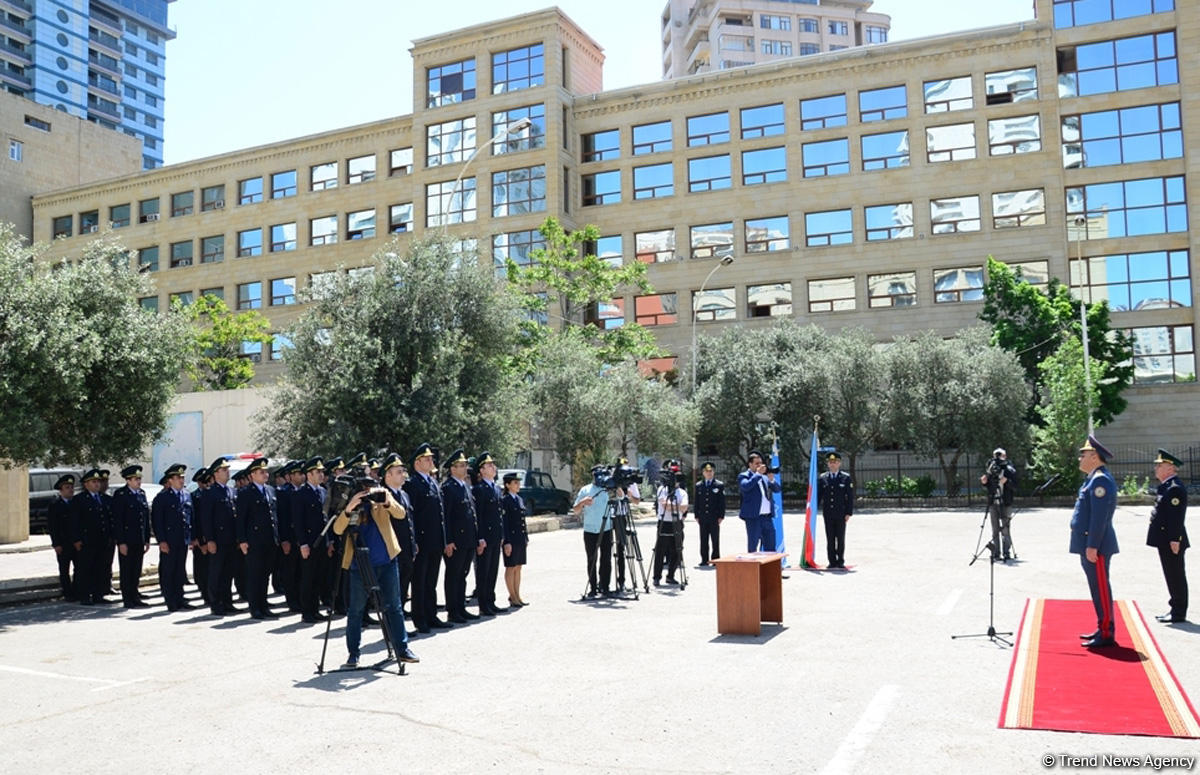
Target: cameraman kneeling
{"type": "Point", "coordinates": [1000, 479]}
{"type": "Point", "coordinates": [372, 523]}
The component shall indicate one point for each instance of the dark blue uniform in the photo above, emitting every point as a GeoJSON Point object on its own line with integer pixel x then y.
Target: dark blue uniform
{"type": "Point", "coordinates": [91, 523]}
{"type": "Point", "coordinates": [835, 494]}
{"type": "Point", "coordinates": [308, 517]}
{"type": "Point", "coordinates": [285, 576]}
{"type": "Point", "coordinates": [171, 516]}
{"type": "Point", "coordinates": [218, 523]}
{"type": "Point", "coordinates": [408, 544]}
{"type": "Point", "coordinates": [461, 530]}
{"type": "Point", "coordinates": [258, 529]}
{"type": "Point", "coordinates": [63, 541]}
{"type": "Point", "coordinates": [515, 532]}
{"type": "Point", "coordinates": [427, 522]}
{"type": "Point", "coordinates": [1166, 526]}
{"type": "Point", "coordinates": [1091, 528]}
{"type": "Point", "coordinates": [709, 509]}
{"type": "Point", "coordinates": [131, 523]}
{"type": "Point", "coordinates": [491, 529]}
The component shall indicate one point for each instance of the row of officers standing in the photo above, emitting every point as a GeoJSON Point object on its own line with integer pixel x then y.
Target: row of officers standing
{"type": "Point", "coordinates": [254, 534]}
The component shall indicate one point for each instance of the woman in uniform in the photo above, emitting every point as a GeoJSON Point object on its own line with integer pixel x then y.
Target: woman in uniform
{"type": "Point", "coordinates": [515, 537]}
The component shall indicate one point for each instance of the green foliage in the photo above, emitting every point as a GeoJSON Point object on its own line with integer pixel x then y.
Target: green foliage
{"type": "Point", "coordinates": [217, 362]}
{"type": "Point", "coordinates": [86, 374]}
{"type": "Point", "coordinates": [1032, 323]}
{"type": "Point", "coordinates": [421, 349]}
{"type": "Point", "coordinates": [1063, 412]}
{"type": "Point", "coordinates": [1131, 486]}
{"type": "Point", "coordinates": [907, 487]}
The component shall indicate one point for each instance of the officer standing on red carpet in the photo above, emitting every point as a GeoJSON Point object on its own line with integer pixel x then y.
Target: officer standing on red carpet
{"type": "Point", "coordinates": [1168, 534]}
{"type": "Point", "coordinates": [1093, 537]}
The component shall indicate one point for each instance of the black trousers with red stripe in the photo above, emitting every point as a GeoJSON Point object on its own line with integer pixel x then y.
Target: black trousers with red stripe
{"type": "Point", "coordinates": [1098, 582]}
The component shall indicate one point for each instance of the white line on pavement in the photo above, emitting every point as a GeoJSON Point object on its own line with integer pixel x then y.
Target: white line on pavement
{"type": "Point", "coordinates": [854, 745]}
{"type": "Point", "coordinates": [949, 603]}
{"type": "Point", "coordinates": [108, 683]}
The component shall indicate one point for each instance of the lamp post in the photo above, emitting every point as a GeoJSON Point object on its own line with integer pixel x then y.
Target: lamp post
{"type": "Point", "coordinates": [726, 261]}
{"type": "Point", "coordinates": [1080, 225]}
{"type": "Point", "coordinates": [505, 131]}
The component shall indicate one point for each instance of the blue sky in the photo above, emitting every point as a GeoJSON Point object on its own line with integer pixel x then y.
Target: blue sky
{"type": "Point", "coordinates": [248, 72]}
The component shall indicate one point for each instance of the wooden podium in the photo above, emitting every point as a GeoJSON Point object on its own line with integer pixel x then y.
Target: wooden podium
{"type": "Point", "coordinates": [749, 592]}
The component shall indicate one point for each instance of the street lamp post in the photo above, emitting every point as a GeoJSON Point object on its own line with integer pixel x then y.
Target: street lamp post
{"type": "Point", "coordinates": [505, 131]}
{"type": "Point", "coordinates": [726, 261]}
{"type": "Point", "coordinates": [1080, 224]}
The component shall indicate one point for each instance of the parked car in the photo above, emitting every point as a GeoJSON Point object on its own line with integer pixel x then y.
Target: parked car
{"type": "Point", "coordinates": [538, 491]}
{"type": "Point", "coordinates": [41, 495]}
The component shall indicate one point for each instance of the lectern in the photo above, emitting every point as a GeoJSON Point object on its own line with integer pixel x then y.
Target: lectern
{"type": "Point", "coordinates": [749, 592]}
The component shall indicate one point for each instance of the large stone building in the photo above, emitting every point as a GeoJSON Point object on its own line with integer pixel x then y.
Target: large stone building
{"type": "Point", "coordinates": [862, 187]}
{"type": "Point", "coordinates": [699, 36]}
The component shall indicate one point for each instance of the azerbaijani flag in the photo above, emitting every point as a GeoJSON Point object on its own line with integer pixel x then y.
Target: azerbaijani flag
{"type": "Point", "coordinates": [777, 497]}
{"type": "Point", "coordinates": [810, 507]}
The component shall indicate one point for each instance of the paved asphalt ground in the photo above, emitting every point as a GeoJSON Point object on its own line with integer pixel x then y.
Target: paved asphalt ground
{"type": "Point", "coordinates": [863, 676]}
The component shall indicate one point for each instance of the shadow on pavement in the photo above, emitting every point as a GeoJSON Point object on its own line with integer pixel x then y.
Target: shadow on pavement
{"type": "Point", "coordinates": [769, 631]}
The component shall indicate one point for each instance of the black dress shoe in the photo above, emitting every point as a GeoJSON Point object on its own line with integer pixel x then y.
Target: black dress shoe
{"type": "Point", "coordinates": [309, 619]}
{"type": "Point", "coordinates": [233, 609]}
{"type": "Point", "coordinates": [488, 612]}
{"type": "Point", "coordinates": [406, 655]}
{"type": "Point", "coordinates": [1089, 636]}
{"type": "Point", "coordinates": [103, 601]}
{"type": "Point", "coordinates": [1097, 643]}
{"type": "Point", "coordinates": [270, 615]}
{"type": "Point", "coordinates": [257, 615]}
{"type": "Point", "coordinates": [424, 630]}
{"type": "Point", "coordinates": [438, 624]}
{"type": "Point", "coordinates": [137, 604]}
{"type": "Point", "coordinates": [1169, 618]}
{"type": "Point", "coordinates": [456, 620]}
{"type": "Point", "coordinates": [217, 612]}
{"type": "Point", "coordinates": [469, 616]}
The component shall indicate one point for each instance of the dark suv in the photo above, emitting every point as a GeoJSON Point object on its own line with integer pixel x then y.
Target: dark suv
{"type": "Point", "coordinates": [539, 493]}
{"type": "Point", "coordinates": [41, 495]}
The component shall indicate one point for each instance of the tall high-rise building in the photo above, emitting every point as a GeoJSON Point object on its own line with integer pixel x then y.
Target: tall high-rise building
{"type": "Point", "coordinates": [699, 36]}
{"type": "Point", "coordinates": [100, 60]}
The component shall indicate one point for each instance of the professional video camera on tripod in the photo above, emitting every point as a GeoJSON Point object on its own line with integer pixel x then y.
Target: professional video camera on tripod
{"type": "Point", "coordinates": [627, 551]}
{"type": "Point", "coordinates": [672, 508]}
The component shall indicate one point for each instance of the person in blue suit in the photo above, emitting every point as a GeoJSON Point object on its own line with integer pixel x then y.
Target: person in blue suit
{"type": "Point", "coordinates": [131, 526]}
{"type": "Point", "coordinates": [308, 518]}
{"type": "Point", "coordinates": [462, 537]}
{"type": "Point", "coordinates": [756, 484]}
{"type": "Point", "coordinates": [171, 515]}
{"type": "Point", "coordinates": [430, 532]}
{"type": "Point", "coordinates": [1093, 537]}
{"type": "Point", "coordinates": [218, 524]}
{"type": "Point", "coordinates": [487, 496]}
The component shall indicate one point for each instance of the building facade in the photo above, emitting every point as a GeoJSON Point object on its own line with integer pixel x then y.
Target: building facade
{"type": "Point", "coordinates": [699, 36]}
{"type": "Point", "coordinates": [863, 187]}
{"type": "Point", "coordinates": [100, 60]}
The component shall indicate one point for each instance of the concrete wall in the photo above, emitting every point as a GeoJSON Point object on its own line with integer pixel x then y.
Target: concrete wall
{"type": "Point", "coordinates": [14, 505]}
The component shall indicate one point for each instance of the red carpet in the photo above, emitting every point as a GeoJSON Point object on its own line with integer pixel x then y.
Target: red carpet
{"type": "Point", "coordinates": [1127, 689]}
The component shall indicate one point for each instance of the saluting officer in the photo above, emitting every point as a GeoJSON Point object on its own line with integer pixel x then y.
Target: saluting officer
{"type": "Point", "coordinates": [835, 494]}
{"type": "Point", "coordinates": [308, 518]}
{"type": "Point", "coordinates": [61, 538]}
{"type": "Point", "coordinates": [131, 520]}
{"type": "Point", "coordinates": [1168, 534]}
{"type": "Point", "coordinates": [462, 537]}
{"type": "Point", "coordinates": [710, 511]}
{"type": "Point", "coordinates": [171, 515]}
{"type": "Point", "coordinates": [90, 529]}
{"type": "Point", "coordinates": [1093, 537]}
{"type": "Point", "coordinates": [258, 535]}
{"type": "Point", "coordinates": [487, 496]}
{"type": "Point", "coordinates": [426, 498]}
{"type": "Point", "coordinates": [215, 513]}
{"type": "Point", "coordinates": [203, 480]}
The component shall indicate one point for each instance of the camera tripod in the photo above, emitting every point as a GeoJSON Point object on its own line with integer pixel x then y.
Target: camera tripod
{"type": "Point", "coordinates": [992, 550]}
{"type": "Point", "coordinates": [676, 541]}
{"type": "Point", "coordinates": [627, 552]}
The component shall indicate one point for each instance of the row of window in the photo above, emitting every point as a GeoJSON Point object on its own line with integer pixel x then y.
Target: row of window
{"type": "Point", "coordinates": [512, 70]}
{"type": "Point", "coordinates": [1077, 13]}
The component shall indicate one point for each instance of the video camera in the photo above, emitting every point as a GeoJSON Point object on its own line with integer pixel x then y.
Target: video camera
{"type": "Point", "coordinates": [612, 477]}
{"type": "Point", "coordinates": [671, 475]}
{"type": "Point", "coordinates": [343, 488]}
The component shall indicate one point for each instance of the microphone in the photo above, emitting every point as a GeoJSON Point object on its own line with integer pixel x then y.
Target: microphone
{"type": "Point", "coordinates": [1046, 484]}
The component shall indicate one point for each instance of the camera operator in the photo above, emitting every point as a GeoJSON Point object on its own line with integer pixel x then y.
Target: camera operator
{"type": "Point", "coordinates": [672, 511]}
{"type": "Point", "coordinates": [630, 493]}
{"type": "Point", "coordinates": [756, 485]}
{"type": "Point", "coordinates": [1000, 479]}
{"type": "Point", "coordinates": [369, 513]}
{"type": "Point", "coordinates": [592, 503]}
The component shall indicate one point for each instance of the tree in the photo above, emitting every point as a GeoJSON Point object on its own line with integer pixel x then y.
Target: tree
{"type": "Point", "coordinates": [418, 350]}
{"type": "Point", "coordinates": [1064, 412]}
{"type": "Point", "coordinates": [1032, 323]}
{"type": "Point", "coordinates": [217, 362]}
{"type": "Point", "coordinates": [86, 373]}
{"type": "Point", "coordinates": [736, 391]}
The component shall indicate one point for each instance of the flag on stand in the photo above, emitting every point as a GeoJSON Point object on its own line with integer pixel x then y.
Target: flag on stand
{"type": "Point", "coordinates": [777, 498]}
{"type": "Point", "coordinates": [810, 507]}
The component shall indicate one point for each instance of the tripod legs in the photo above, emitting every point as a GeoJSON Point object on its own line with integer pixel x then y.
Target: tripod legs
{"type": "Point", "coordinates": [991, 634]}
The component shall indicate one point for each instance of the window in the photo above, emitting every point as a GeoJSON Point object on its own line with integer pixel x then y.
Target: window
{"type": "Point", "coordinates": [250, 191]}
{"type": "Point", "coordinates": [1129, 208]}
{"type": "Point", "coordinates": [182, 298]}
{"type": "Point", "coordinates": [444, 204]}
{"type": "Point", "coordinates": [949, 94]}
{"type": "Point", "coordinates": [519, 191]}
{"type": "Point", "coordinates": [832, 227]}
{"type": "Point", "coordinates": [709, 173]}
{"type": "Point", "coordinates": [151, 122]}
{"type": "Point", "coordinates": [736, 43]}
{"type": "Point", "coordinates": [771, 300]}
{"type": "Point", "coordinates": [89, 222]}
{"type": "Point", "coordinates": [883, 104]}
{"type": "Point", "coordinates": [713, 240]}
{"type": "Point", "coordinates": [1032, 272]}
{"type": "Point", "coordinates": [323, 230]}
{"type": "Point", "coordinates": [181, 254]}
{"type": "Point", "coordinates": [527, 139]}
{"type": "Point", "coordinates": [321, 283]}
{"type": "Point", "coordinates": [767, 165]}
{"type": "Point", "coordinates": [360, 224]}
{"type": "Point", "coordinates": [62, 226]}
{"type": "Point", "coordinates": [249, 296]}
{"type": "Point", "coordinates": [37, 123]}
{"type": "Point", "coordinates": [212, 198]}
{"type": "Point", "coordinates": [950, 215]}
{"type": "Point", "coordinates": [767, 235]}
{"type": "Point", "coordinates": [278, 344]}
{"type": "Point", "coordinates": [283, 184]}
{"type": "Point", "coordinates": [771, 22]}
{"type": "Point", "coordinates": [1005, 86]}
{"type": "Point", "coordinates": [1013, 209]}
{"type": "Point", "coordinates": [283, 291]}
{"type": "Point", "coordinates": [839, 28]}
{"type": "Point", "coordinates": [873, 34]}
{"type": "Point", "coordinates": [252, 351]}
{"type": "Point", "coordinates": [714, 304]}
{"type": "Point", "coordinates": [400, 162]}
{"type": "Point", "coordinates": [763, 121]}
{"type": "Point", "coordinates": [654, 181]}
{"type": "Point", "coordinates": [518, 68]}
{"type": "Point", "coordinates": [212, 249]}
{"type": "Point", "coordinates": [889, 222]}
{"type": "Point", "coordinates": [250, 243]}
{"type": "Point", "coordinates": [823, 112]}
{"type": "Point", "coordinates": [955, 285]}
{"type": "Point", "coordinates": [652, 138]}
{"type": "Point", "coordinates": [147, 259]}
{"type": "Point", "coordinates": [1144, 133]}
{"type": "Point", "coordinates": [602, 188]}
{"type": "Point", "coordinates": [1117, 65]}
{"type": "Point", "coordinates": [118, 216]}
{"type": "Point", "coordinates": [148, 210]}
{"type": "Point", "coordinates": [885, 151]}
{"type": "Point", "coordinates": [283, 237]}
{"type": "Point", "coordinates": [606, 315]}
{"type": "Point", "coordinates": [449, 142]}
{"type": "Point", "coordinates": [1017, 134]}
{"type": "Point", "coordinates": [808, 25]}
{"type": "Point", "coordinates": [1135, 281]}
{"type": "Point", "coordinates": [655, 247]}
{"type": "Point", "coordinates": [832, 295]}
{"type": "Point", "coordinates": [777, 47]}
{"type": "Point", "coordinates": [360, 169]}
{"type": "Point", "coordinates": [323, 176]}
{"type": "Point", "coordinates": [149, 303]}
{"type": "Point", "coordinates": [181, 203]}
{"type": "Point", "coordinates": [15, 150]}
{"type": "Point", "coordinates": [1076, 13]}
{"type": "Point", "coordinates": [808, 49]}
{"type": "Point", "coordinates": [953, 142]}
{"type": "Point", "coordinates": [895, 289]}
{"type": "Point", "coordinates": [400, 218]}
{"type": "Point", "coordinates": [1163, 354]}
{"type": "Point", "coordinates": [830, 157]}
{"type": "Point", "coordinates": [450, 84]}
{"type": "Point", "coordinates": [601, 146]}
{"type": "Point", "coordinates": [607, 249]}
{"type": "Point", "coordinates": [515, 245]}
{"type": "Point", "coordinates": [708, 129]}
{"type": "Point", "coordinates": [216, 293]}
{"type": "Point", "coordinates": [657, 309]}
